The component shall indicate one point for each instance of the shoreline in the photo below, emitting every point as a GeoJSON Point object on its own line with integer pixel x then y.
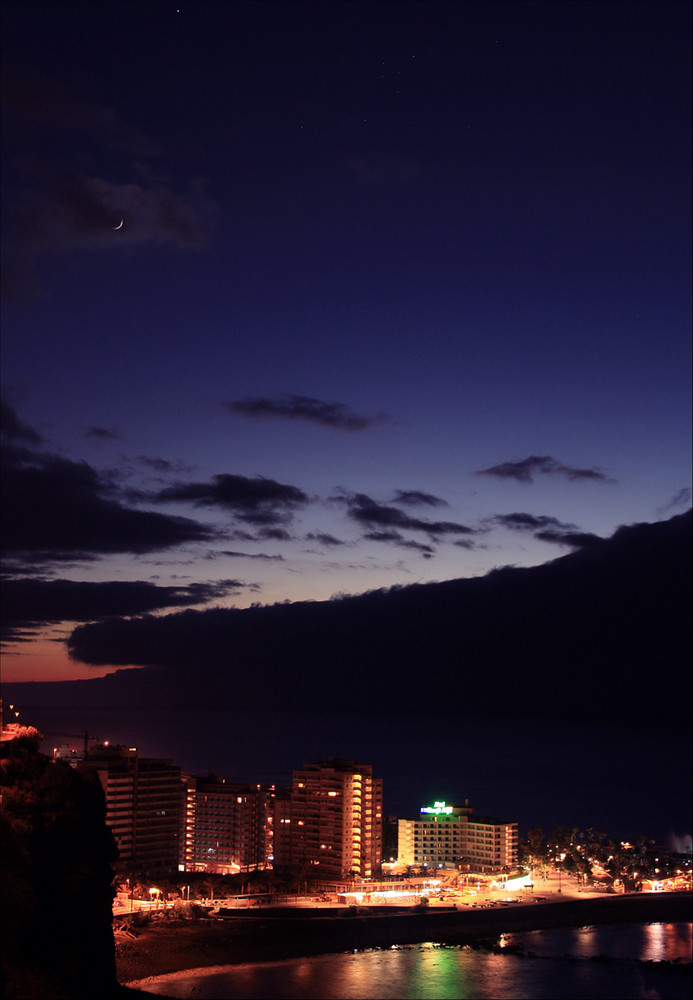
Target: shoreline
{"type": "Point", "coordinates": [169, 949]}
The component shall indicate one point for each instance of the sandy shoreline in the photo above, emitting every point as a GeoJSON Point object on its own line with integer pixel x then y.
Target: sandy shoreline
{"type": "Point", "coordinates": [163, 949]}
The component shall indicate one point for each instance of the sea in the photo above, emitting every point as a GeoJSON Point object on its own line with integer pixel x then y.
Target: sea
{"type": "Point", "coordinates": [650, 961]}
{"type": "Point", "coordinates": [545, 771]}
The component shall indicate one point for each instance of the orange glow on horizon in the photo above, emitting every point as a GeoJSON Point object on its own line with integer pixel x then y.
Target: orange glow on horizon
{"type": "Point", "coordinates": [45, 659]}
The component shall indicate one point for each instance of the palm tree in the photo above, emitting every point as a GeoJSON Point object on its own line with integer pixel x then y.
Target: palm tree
{"type": "Point", "coordinates": [210, 883]}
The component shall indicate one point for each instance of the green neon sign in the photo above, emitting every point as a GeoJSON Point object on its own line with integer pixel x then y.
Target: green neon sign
{"type": "Point", "coordinates": [437, 809]}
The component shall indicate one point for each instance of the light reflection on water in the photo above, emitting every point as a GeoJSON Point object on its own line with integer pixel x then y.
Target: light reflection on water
{"type": "Point", "coordinates": [667, 942]}
{"type": "Point", "coordinates": [561, 970]}
{"type": "Point", "coordinates": [661, 942]}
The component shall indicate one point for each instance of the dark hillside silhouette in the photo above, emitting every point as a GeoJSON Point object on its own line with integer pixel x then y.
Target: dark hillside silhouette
{"type": "Point", "coordinates": [56, 898]}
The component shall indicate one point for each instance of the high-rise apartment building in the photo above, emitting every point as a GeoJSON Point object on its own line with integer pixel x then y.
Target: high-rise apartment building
{"type": "Point", "coordinates": [452, 835]}
{"type": "Point", "coordinates": [491, 844]}
{"type": "Point", "coordinates": [144, 798]}
{"type": "Point", "coordinates": [332, 819]}
{"type": "Point", "coordinates": [227, 827]}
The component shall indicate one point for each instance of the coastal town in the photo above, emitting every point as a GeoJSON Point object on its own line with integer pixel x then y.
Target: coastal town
{"type": "Point", "coordinates": [121, 868]}
{"type": "Point", "coordinates": [187, 841]}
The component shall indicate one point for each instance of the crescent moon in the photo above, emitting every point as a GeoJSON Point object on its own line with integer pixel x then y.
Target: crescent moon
{"type": "Point", "coordinates": [120, 225]}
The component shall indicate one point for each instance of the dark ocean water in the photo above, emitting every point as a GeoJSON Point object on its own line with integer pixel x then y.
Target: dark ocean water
{"type": "Point", "coordinates": [604, 963]}
{"type": "Point", "coordinates": [624, 781]}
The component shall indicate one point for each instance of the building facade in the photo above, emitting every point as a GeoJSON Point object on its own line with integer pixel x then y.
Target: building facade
{"type": "Point", "coordinates": [332, 820]}
{"type": "Point", "coordinates": [451, 836]}
{"type": "Point", "coordinates": [144, 802]}
{"type": "Point", "coordinates": [227, 827]}
{"type": "Point", "coordinates": [491, 845]}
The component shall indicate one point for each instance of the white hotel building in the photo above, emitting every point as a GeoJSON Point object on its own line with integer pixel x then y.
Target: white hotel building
{"type": "Point", "coordinates": [452, 836]}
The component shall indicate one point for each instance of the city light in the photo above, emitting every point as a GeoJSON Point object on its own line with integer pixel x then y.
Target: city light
{"type": "Point", "coordinates": [437, 809]}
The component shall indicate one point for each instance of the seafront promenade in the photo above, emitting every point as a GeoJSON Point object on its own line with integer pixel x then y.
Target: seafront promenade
{"type": "Point", "coordinates": [271, 934]}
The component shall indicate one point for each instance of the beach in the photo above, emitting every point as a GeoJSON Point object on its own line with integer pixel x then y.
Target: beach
{"type": "Point", "coordinates": [274, 934]}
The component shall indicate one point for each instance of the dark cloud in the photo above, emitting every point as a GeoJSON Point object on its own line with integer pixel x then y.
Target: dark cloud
{"type": "Point", "coordinates": [323, 538]}
{"type": "Point", "coordinates": [27, 603]}
{"type": "Point", "coordinates": [258, 501]}
{"type": "Point", "coordinates": [62, 506]}
{"type": "Point", "coordinates": [546, 529]}
{"type": "Point", "coordinates": [103, 433]}
{"type": "Point", "coordinates": [264, 534]}
{"type": "Point", "coordinates": [606, 614]}
{"type": "Point", "coordinates": [58, 509]}
{"type": "Point", "coordinates": [572, 539]}
{"type": "Point", "coordinates": [528, 468]}
{"type": "Point", "coordinates": [238, 535]}
{"type": "Point", "coordinates": [366, 511]}
{"type": "Point", "coordinates": [274, 534]}
{"type": "Point", "coordinates": [395, 538]}
{"type": "Point", "coordinates": [682, 498]}
{"type": "Point", "coordinates": [425, 550]}
{"type": "Point", "coordinates": [158, 464]}
{"type": "Point", "coordinates": [161, 466]}
{"type": "Point", "coordinates": [465, 543]}
{"type": "Point", "coordinates": [384, 536]}
{"type": "Point", "coordinates": [289, 406]}
{"type": "Point", "coordinates": [65, 206]}
{"type": "Point", "coordinates": [74, 211]}
{"type": "Point", "coordinates": [530, 522]}
{"type": "Point", "coordinates": [416, 498]}
{"type": "Point", "coordinates": [232, 554]}
{"type": "Point", "coordinates": [38, 562]}
{"type": "Point", "coordinates": [15, 430]}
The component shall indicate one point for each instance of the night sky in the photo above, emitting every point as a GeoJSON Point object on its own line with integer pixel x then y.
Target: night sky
{"type": "Point", "coordinates": [311, 299]}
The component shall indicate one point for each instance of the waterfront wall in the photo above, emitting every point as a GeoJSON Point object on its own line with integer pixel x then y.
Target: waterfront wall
{"type": "Point", "coordinates": [262, 935]}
